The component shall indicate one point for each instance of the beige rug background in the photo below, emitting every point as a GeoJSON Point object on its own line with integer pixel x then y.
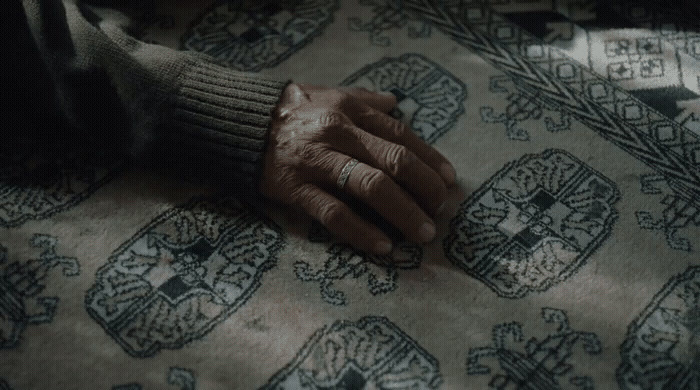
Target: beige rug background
{"type": "Point", "coordinates": [399, 328]}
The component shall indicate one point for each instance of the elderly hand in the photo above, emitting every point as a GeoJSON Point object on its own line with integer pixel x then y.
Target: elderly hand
{"type": "Point", "coordinates": [316, 133]}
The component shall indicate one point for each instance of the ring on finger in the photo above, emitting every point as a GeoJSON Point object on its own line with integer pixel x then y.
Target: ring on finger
{"type": "Point", "coordinates": [345, 172]}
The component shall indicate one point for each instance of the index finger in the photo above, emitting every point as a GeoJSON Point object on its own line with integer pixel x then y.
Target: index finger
{"type": "Point", "coordinates": [391, 129]}
{"type": "Point", "coordinates": [383, 102]}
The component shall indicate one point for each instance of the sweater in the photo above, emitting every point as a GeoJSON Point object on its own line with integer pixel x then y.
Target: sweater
{"type": "Point", "coordinates": [120, 96]}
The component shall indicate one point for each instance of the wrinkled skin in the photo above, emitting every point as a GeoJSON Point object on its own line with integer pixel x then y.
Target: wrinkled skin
{"type": "Point", "coordinates": [315, 131]}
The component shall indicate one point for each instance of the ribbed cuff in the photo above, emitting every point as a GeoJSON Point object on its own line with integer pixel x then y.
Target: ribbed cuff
{"type": "Point", "coordinates": [220, 122]}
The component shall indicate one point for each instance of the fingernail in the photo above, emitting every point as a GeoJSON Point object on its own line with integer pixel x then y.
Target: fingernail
{"type": "Point", "coordinates": [427, 232]}
{"type": "Point", "coordinates": [448, 173]}
{"type": "Point", "coordinates": [383, 247]}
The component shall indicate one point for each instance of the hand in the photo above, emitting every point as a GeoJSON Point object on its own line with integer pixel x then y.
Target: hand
{"type": "Point", "coordinates": [316, 131]}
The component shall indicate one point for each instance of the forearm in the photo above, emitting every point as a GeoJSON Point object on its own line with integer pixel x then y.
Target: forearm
{"type": "Point", "coordinates": [141, 97]}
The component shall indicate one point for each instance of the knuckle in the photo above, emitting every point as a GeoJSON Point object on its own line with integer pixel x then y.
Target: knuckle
{"type": "Point", "coordinates": [306, 153]}
{"type": "Point", "coordinates": [344, 96]}
{"type": "Point", "coordinates": [326, 164]}
{"type": "Point", "coordinates": [359, 90]}
{"type": "Point", "coordinates": [397, 158]}
{"type": "Point", "coordinates": [337, 97]}
{"type": "Point", "coordinates": [373, 182]}
{"type": "Point", "coordinates": [331, 119]}
{"type": "Point", "coordinates": [298, 197]}
{"type": "Point", "coordinates": [353, 134]}
{"type": "Point", "coordinates": [299, 194]}
{"type": "Point", "coordinates": [398, 129]}
{"type": "Point", "coordinates": [331, 214]}
{"type": "Point", "coordinates": [345, 101]}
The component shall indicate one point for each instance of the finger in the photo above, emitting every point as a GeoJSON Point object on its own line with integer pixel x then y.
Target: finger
{"type": "Point", "coordinates": [391, 129]}
{"type": "Point", "coordinates": [397, 161]}
{"type": "Point", "coordinates": [383, 102]}
{"type": "Point", "coordinates": [376, 189]}
{"type": "Point", "coordinates": [337, 217]}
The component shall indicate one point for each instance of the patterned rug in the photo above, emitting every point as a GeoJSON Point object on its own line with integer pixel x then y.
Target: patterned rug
{"type": "Point", "coordinates": [569, 257]}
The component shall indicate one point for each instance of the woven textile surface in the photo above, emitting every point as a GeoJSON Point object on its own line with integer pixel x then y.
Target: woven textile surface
{"type": "Point", "coordinates": [568, 257]}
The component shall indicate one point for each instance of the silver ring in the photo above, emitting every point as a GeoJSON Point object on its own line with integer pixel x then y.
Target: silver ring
{"type": "Point", "coordinates": [345, 173]}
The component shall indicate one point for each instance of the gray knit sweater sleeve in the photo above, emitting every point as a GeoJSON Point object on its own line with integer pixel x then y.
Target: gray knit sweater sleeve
{"type": "Point", "coordinates": [207, 114]}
